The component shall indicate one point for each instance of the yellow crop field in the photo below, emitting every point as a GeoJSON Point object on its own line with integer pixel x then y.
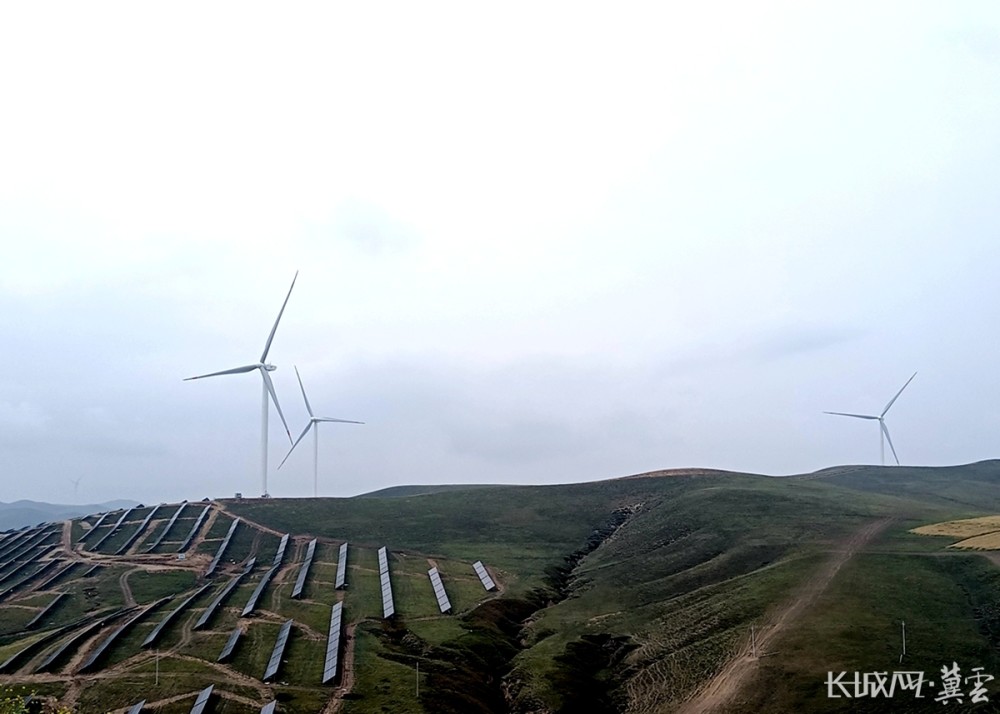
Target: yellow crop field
{"type": "Point", "coordinates": [967, 528]}
{"type": "Point", "coordinates": [988, 541]}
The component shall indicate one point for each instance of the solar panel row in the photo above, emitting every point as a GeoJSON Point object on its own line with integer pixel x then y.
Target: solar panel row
{"type": "Point", "coordinates": [170, 524]}
{"type": "Point", "coordinates": [142, 526]}
{"type": "Point", "coordinates": [194, 529]}
{"type": "Point", "coordinates": [222, 548]}
{"type": "Point", "coordinates": [341, 567]}
{"type": "Point", "coordinates": [304, 571]}
{"type": "Point", "coordinates": [258, 591]}
{"type": "Point", "coordinates": [279, 649]}
{"type": "Point", "coordinates": [442, 597]}
{"type": "Point", "coordinates": [91, 662]}
{"type": "Point", "coordinates": [388, 609]}
{"type": "Point", "coordinates": [202, 701]}
{"type": "Point", "coordinates": [168, 618]}
{"type": "Point", "coordinates": [93, 529]}
{"type": "Point", "coordinates": [45, 611]}
{"type": "Point", "coordinates": [16, 660]}
{"type": "Point", "coordinates": [484, 577]}
{"type": "Point", "coordinates": [227, 651]}
{"type": "Point", "coordinates": [333, 643]}
{"type": "Point", "coordinates": [223, 594]}
{"type": "Point", "coordinates": [53, 578]}
{"type": "Point", "coordinates": [280, 555]}
{"type": "Point", "coordinates": [56, 655]}
{"type": "Point", "coordinates": [112, 530]}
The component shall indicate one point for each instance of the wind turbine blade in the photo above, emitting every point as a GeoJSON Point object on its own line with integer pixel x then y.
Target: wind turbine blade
{"type": "Point", "coordinates": [270, 337]}
{"type": "Point", "coordinates": [856, 416]}
{"type": "Point", "coordinates": [274, 398]}
{"type": "Point", "coordinates": [304, 397]}
{"type": "Point", "coordinates": [888, 438]}
{"type": "Point", "coordinates": [301, 436]}
{"type": "Point", "coordinates": [341, 421]}
{"type": "Point", "coordinates": [234, 370]}
{"type": "Point", "coordinates": [891, 401]}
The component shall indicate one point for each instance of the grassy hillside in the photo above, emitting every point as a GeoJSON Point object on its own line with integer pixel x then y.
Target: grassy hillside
{"type": "Point", "coordinates": [621, 595]}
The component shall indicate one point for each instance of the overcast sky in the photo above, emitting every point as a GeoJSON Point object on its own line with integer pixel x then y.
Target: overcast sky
{"type": "Point", "coordinates": [537, 242]}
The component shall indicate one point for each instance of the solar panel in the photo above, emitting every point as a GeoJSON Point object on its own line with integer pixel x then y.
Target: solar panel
{"type": "Point", "coordinates": [341, 567]}
{"type": "Point", "coordinates": [484, 577]}
{"type": "Point", "coordinates": [194, 528]}
{"type": "Point", "coordinates": [222, 548]}
{"type": "Point", "coordinates": [280, 555]}
{"type": "Point", "coordinates": [69, 644]}
{"type": "Point", "coordinates": [278, 651]}
{"type": "Point", "coordinates": [202, 700]}
{"type": "Point", "coordinates": [136, 708]}
{"type": "Point", "coordinates": [333, 643]}
{"type": "Point", "coordinates": [210, 610]}
{"type": "Point", "coordinates": [155, 634]}
{"type": "Point", "coordinates": [388, 608]}
{"type": "Point", "coordinates": [51, 579]}
{"type": "Point", "coordinates": [170, 524]}
{"type": "Point", "coordinates": [227, 651]}
{"type": "Point", "coordinates": [94, 528]}
{"type": "Point", "coordinates": [142, 526]}
{"type": "Point", "coordinates": [252, 602]}
{"type": "Point", "coordinates": [112, 530]}
{"type": "Point", "coordinates": [45, 611]}
{"type": "Point", "coordinates": [268, 708]}
{"type": "Point", "coordinates": [110, 639]}
{"type": "Point", "coordinates": [442, 597]}
{"type": "Point", "coordinates": [304, 571]}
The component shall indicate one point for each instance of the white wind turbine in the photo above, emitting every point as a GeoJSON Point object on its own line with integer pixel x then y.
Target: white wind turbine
{"type": "Point", "coordinates": [268, 389]}
{"type": "Point", "coordinates": [314, 425]}
{"type": "Point", "coordinates": [883, 430]}
{"type": "Point", "coordinates": [76, 488]}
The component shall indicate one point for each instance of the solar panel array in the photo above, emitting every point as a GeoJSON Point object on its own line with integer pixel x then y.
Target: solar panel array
{"type": "Point", "coordinates": [222, 548]}
{"type": "Point", "coordinates": [45, 611]}
{"type": "Point", "coordinates": [280, 555]}
{"type": "Point", "coordinates": [227, 651]}
{"type": "Point", "coordinates": [97, 525]}
{"type": "Point", "coordinates": [91, 661]}
{"type": "Point", "coordinates": [230, 586]}
{"type": "Point", "coordinates": [194, 529]}
{"type": "Point", "coordinates": [137, 708]}
{"type": "Point", "coordinates": [258, 591]}
{"type": "Point", "coordinates": [341, 567]}
{"type": "Point", "coordinates": [442, 597]}
{"type": "Point", "coordinates": [69, 644]}
{"type": "Point", "coordinates": [142, 526]}
{"type": "Point", "coordinates": [168, 618]}
{"type": "Point", "coordinates": [202, 700]}
{"type": "Point", "coordinates": [170, 524]}
{"type": "Point", "coordinates": [278, 651]}
{"type": "Point", "coordinates": [113, 529]}
{"type": "Point", "coordinates": [15, 661]}
{"type": "Point", "coordinates": [51, 579]}
{"type": "Point", "coordinates": [333, 643]}
{"type": "Point", "coordinates": [484, 577]}
{"type": "Point", "coordinates": [388, 609]}
{"type": "Point", "coordinates": [304, 571]}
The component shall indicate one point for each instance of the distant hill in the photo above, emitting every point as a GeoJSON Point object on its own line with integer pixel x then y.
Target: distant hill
{"type": "Point", "coordinates": [28, 513]}
{"type": "Point", "coordinates": [417, 490]}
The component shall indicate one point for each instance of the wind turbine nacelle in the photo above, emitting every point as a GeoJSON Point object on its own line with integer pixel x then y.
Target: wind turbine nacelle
{"type": "Point", "coordinates": [270, 367]}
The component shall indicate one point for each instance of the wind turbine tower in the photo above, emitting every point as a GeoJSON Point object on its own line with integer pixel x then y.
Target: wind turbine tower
{"type": "Point", "coordinates": [267, 390]}
{"type": "Point", "coordinates": [314, 425]}
{"type": "Point", "coordinates": [883, 430]}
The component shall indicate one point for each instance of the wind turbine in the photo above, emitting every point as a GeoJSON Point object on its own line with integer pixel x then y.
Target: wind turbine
{"type": "Point", "coordinates": [268, 389]}
{"type": "Point", "coordinates": [76, 488]}
{"type": "Point", "coordinates": [313, 424]}
{"type": "Point", "coordinates": [883, 430]}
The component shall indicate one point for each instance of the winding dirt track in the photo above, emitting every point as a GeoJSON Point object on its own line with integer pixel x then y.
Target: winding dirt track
{"type": "Point", "coordinates": [727, 683]}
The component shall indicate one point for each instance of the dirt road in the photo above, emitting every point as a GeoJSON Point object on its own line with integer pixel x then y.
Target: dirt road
{"type": "Point", "coordinates": [728, 682]}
